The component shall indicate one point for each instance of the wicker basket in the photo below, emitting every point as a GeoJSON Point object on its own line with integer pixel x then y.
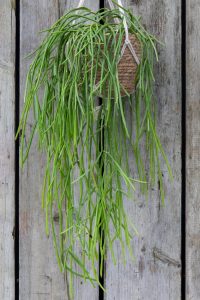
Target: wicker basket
{"type": "Point", "coordinates": [127, 67]}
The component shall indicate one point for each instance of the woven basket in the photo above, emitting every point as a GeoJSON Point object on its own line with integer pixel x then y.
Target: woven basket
{"type": "Point", "coordinates": [127, 67]}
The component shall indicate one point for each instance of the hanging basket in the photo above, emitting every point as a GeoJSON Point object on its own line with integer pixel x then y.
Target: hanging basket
{"type": "Point", "coordinates": [127, 68]}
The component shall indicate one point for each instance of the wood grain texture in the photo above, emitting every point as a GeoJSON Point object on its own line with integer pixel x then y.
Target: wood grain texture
{"type": "Point", "coordinates": [156, 272]}
{"type": "Point", "coordinates": [7, 149]}
{"type": "Point", "coordinates": [40, 278]}
{"type": "Point", "coordinates": [193, 151]}
{"type": "Point", "coordinates": [82, 290]}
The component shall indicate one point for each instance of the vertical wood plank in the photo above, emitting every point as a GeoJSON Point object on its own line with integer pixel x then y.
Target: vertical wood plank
{"type": "Point", "coordinates": [82, 290]}
{"type": "Point", "coordinates": [192, 151]}
{"type": "Point", "coordinates": [7, 148]}
{"type": "Point", "coordinates": [40, 277]}
{"type": "Point", "coordinates": [156, 272]}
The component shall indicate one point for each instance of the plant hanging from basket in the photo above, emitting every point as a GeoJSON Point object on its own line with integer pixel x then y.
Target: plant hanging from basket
{"type": "Point", "coordinates": [88, 147]}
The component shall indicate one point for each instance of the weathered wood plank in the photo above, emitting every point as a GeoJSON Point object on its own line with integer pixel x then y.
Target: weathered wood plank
{"type": "Point", "coordinates": [39, 274]}
{"type": "Point", "coordinates": [193, 151]}
{"type": "Point", "coordinates": [156, 272]}
{"type": "Point", "coordinates": [7, 149]}
{"type": "Point", "coordinates": [82, 290]}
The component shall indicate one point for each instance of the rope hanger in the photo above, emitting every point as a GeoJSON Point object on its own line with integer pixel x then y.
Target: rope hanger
{"type": "Point", "coordinates": [127, 42]}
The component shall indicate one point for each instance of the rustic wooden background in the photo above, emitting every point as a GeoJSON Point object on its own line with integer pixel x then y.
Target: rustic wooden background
{"type": "Point", "coordinates": [167, 251]}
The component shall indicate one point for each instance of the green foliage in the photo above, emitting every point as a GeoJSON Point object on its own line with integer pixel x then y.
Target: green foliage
{"type": "Point", "coordinates": [89, 148]}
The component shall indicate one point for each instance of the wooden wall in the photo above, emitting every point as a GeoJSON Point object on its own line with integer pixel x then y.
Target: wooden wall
{"type": "Point", "coordinates": [167, 250]}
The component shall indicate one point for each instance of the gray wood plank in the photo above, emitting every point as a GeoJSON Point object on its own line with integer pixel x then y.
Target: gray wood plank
{"type": "Point", "coordinates": [82, 290]}
{"type": "Point", "coordinates": [193, 152]}
{"type": "Point", "coordinates": [7, 149]}
{"type": "Point", "coordinates": [156, 272]}
{"type": "Point", "coordinates": [39, 274]}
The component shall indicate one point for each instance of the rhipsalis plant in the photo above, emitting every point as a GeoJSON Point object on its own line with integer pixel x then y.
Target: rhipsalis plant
{"type": "Point", "coordinates": [89, 146]}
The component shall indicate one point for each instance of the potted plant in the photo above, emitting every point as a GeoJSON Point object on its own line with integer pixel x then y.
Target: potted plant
{"type": "Point", "coordinates": [88, 145]}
